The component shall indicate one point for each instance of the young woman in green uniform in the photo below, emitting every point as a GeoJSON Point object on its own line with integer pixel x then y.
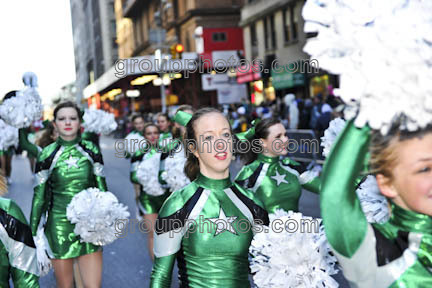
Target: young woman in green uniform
{"type": "Point", "coordinates": [208, 225]}
{"type": "Point", "coordinates": [63, 169]}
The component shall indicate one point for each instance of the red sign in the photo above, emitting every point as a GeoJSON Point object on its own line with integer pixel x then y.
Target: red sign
{"type": "Point", "coordinates": [247, 74]}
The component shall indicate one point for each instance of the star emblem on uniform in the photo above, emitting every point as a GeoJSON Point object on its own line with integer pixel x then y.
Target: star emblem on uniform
{"type": "Point", "coordinates": [224, 223]}
{"type": "Point", "coordinates": [72, 162]}
{"type": "Point", "coordinates": [279, 178]}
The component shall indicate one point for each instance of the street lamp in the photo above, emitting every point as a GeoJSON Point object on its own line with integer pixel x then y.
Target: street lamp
{"type": "Point", "coordinates": [158, 16]}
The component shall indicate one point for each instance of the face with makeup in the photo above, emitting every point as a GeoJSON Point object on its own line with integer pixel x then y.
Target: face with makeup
{"type": "Point", "coordinates": [214, 143]}
{"type": "Point", "coordinates": [67, 123]}
{"type": "Point", "coordinates": [163, 123]}
{"type": "Point", "coordinates": [151, 133]}
{"type": "Point", "coordinates": [410, 186]}
{"type": "Point", "coordinates": [275, 143]}
{"type": "Point", "coordinates": [138, 124]}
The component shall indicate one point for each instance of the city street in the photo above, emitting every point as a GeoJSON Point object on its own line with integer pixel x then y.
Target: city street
{"type": "Point", "coordinates": [126, 262]}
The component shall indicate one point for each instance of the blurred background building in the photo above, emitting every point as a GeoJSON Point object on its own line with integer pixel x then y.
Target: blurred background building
{"type": "Point", "coordinates": [212, 33]}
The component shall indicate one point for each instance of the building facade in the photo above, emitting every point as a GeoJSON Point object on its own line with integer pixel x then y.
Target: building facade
{"type": "Point", "coordinates": [94, 36]}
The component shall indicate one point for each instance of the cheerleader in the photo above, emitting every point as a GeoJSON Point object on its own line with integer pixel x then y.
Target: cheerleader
{"type": "Point", "coordinates": [398, 252]}
{"type": "Point", "coordinates": [274, 181]}
{"type": "Point", "coordinates": [164, 124]}
{"type": "Point", "coordinates": [213, 253]}
{"type": "Point", "coordinates": [150, 198]}
{"type": "Point", "coordinates": [174, 158]}
{"type": "Point", "coordinates": [17, 248]}
{"type": "Point", "coordinates": [63, 169]}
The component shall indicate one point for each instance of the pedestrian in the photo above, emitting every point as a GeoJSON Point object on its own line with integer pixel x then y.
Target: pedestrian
{"type": "Point", "coordinates": [208, 255]}
{"type": "Point", "coordinates": [293, 111]}
{"type": "Point", "coordinates": [63, 169]}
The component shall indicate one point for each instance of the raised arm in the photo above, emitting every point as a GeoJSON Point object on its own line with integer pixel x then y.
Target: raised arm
{"type": "Point", "coordinates": [344, 221]}
{"type": "Point", "coordinates": [26, 145]}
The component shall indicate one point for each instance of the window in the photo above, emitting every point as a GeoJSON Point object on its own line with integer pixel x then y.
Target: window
{"type": "Point", "coordinates": [290, 21]}
{"type": "Point", "coordinates": [254, 40]}
{"type": "Point", "coordinates": [219, 37]}
{"type": "Point", "coordinates": [270, 32]}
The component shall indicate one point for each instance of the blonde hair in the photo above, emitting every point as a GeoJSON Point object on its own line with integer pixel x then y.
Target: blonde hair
{"type": "Point", "coordinates": [3, 184]}
{"type": "Point", "coordinates": [383, 149]}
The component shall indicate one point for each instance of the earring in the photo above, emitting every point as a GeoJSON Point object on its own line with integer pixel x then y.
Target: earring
{"type": "Point", "coordinates": [233, 158]}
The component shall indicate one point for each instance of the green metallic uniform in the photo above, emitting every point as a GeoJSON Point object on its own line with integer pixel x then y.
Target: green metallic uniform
{"type": "Point", "coordinates": [25, 144]}
{"type": "Point", "coordinates": [64, 168]}
{"type": "Point", "coordinates": [17, 249]}
{"type": "Point", "coordinates": [91, 136]}
{"type": "Point", "coordinates": [397, 253]}
{"type": "Point", "coordinates": [275, 183]}
{"type": "Point", "coordinates": [164, 139]}
{"type": "Point", "coordinates": [208, 227]}
{"type": "Point", "coordinates": [148, 204]}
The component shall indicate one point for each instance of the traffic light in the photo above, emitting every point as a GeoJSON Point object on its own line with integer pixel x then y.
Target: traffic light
{"type": "Point", "coordinates": [176, 51]}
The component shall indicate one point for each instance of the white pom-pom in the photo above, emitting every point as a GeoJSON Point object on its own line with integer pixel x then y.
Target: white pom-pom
{"type": "Point", "coordinates": [384, 76]}
{"type": "Point", "coordinates": [94, 214]}
{"type": "Point", "coordinates": [8, 136]}
{"type": "Point", "coordinates": [148, 174]}
{"type": "Point", "coordinates": [298, 258]}
{"type": "Point", "coordinates": [99, 121]}
{"type": "Point", "coordinates": [134, 142]}
{"type": "Point", "coordinates": [20, 111]}
{"type": "Point", "coordinates": [174, 171]}
{"type": "Point", "coordinates": [331, 133]}
{"type": "Point", "coordinates": [373, 203]}
{"type": "Point", "coordinates": [42, 247]}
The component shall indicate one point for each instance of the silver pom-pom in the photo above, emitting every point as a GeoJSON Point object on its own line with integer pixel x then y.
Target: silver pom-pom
{"type": "Point", "coordinates": [20, 111]}
{"type": "Point", "coordinates": [384, 76]}
{"type": "Point", "coordinates": [8, 136]}
{"type": "Point", "coordinates": [94, 214]}
{"type": "Point", "coordinates": [99, 121]}
{"type": "Point", "coordinates": [134, 142]}
{"type": "Point", "coordinates": [331, 133]}
{"type": "Point", "coordinates": [174, 171]}
{"type": "Point", "coordinates": [373, 203]}
{"type": "Point", "coordinates": [293, 258]}
{"type": "Point", "coordinates": [148, 175]}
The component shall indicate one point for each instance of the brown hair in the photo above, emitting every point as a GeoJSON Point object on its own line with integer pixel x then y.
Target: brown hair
{"type": "Point", "coordinates": [67, 104]}
{"type": "Point", "coordinates": [383, 156]}
{"type": "Point", "coordinates": [190, 142]}
{"type": "Point", "coordinates": [3, 185]}
{"type": "Point", "coordinates": [136, 116]}
{"type": "Point", "coordinates": [176, 132]}
{"type": "Point", "coordinates": [261, 132]}
{"type": "Point", "coordinates": [149, 125]}
{"type": "Point", "coordinates": [46, 137]}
